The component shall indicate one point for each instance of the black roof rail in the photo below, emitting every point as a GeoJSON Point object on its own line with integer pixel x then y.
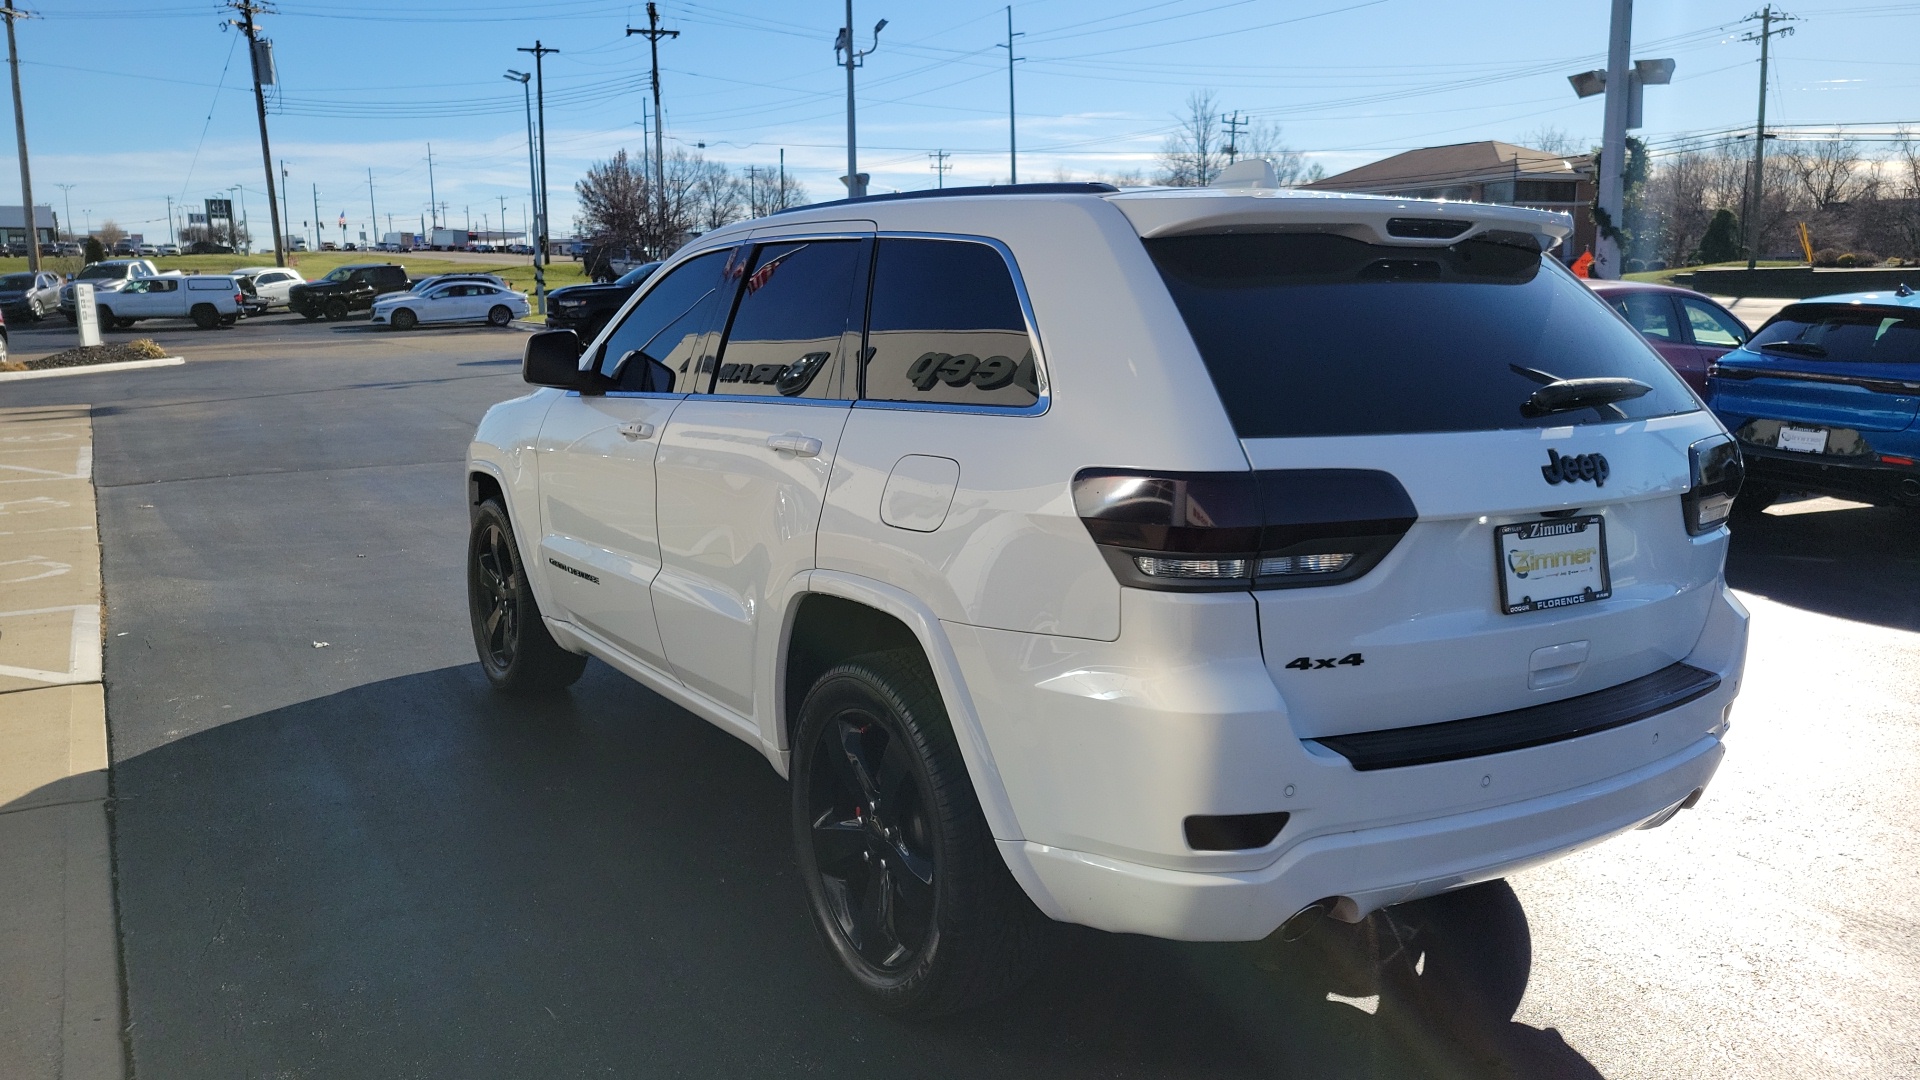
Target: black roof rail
{"type": "Point", "coordinates": [1079, 188]}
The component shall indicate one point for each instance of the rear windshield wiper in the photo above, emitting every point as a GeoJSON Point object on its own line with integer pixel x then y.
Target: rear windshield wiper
{"type": "Point", "coordinates": [1566, 395]}
{"type": "Point", "coordinates": [1795, 348]}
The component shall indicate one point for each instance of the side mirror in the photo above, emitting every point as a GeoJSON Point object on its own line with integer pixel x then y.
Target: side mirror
{"type": "Point", "coordinates": [553, 359]}
{"type": "Point", "coordinates": [657, 379]}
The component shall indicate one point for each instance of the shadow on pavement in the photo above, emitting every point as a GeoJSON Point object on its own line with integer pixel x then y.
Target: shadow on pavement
{"type": "Point", "coordinates": [419, 877]}
{"type": "Point", "coordinates": [1851, 561]}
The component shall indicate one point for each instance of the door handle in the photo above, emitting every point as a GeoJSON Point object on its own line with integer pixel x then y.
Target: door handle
{"type": "Point", "coordinates": [637, 429]}
{"type": "Point", "coordinates": [798, 445]}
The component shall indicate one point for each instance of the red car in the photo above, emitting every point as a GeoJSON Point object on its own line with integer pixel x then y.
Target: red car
{"type": "Point", "coordinates": [1688, 330]}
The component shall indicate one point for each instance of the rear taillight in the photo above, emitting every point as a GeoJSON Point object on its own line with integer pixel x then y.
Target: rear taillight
{"type": "Point", "coordinates": [1717, 473]}
{"type": "Point", "coordinates": [1274, 529]}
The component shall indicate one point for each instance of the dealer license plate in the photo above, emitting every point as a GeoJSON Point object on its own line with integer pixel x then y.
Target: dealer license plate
{"type": "Point", "coordinates": [1805, 440]}
{"type": "Point", "coordinates": [1550, 564]}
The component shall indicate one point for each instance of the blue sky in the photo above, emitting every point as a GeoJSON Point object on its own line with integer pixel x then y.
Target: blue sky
{"type": "Point", "coordinates": [131, 103]}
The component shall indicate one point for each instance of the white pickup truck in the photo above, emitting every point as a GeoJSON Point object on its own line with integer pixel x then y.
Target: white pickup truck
{"type": "Point", "coordinates": [210, 300]}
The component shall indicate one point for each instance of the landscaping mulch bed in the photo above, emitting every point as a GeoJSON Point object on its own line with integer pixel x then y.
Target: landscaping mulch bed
{"type": "Point", "coordinates": [118, 352]}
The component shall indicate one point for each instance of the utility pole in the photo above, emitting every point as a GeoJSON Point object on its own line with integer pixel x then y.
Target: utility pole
{"type": "Point", "coordinates": [856, 184]}
{"type": "Point", "coordinates": [20, 132]}
{"type": "Point", "coordinates": [1749, 223]}
{"type": "Point", "coordinates": [653, 34]}
{"type": "Point", "coordinates": [1233, 124]}
{"type": "Point", "coordinates": [433, 199]}
{"type": "Point", "coordinates": [260, 52]}
{"type": "Point", "coordinates": [280, 242]}
{"type": "Point", "coordinates": [373, 212]}
{"type": "Point", "coordinates": [319, 231]}
{"type": "Point", "coordinates": [503, 216]}
{"type": "Point", "coordinates": [172, 236]}
{"type": "Point", "coordinates": [1607, 256]}
{"type": "Point", "coordinates": [783, 178]}
{"type": "Point", "coordinates": [541, 207]}
{"type": "Point", "coordinates": [1013, 142]}
{"type": "Point", "coordinates": [66, 192]}
{"type": "Point", "coordinates": [940, 167]}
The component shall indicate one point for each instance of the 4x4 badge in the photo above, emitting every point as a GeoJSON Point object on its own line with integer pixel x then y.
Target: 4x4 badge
{"type": "Point", "coordinates": [1569, 469]}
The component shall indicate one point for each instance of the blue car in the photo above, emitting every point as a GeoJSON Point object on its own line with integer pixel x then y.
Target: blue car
{"type": "Point", "coordinates": [1823, 400]}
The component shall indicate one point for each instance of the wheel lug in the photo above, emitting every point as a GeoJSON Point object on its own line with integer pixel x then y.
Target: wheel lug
{"type": "Point", "coordinates": [866, 856]}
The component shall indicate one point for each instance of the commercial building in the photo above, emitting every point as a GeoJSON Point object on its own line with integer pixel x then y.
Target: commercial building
{"type": "Point", "coordinates": [1487, 172]}
{"type": "Point", "coordinates": [13, 224]}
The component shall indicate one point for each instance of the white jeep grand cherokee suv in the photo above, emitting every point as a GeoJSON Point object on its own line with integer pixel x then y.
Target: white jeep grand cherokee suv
{"type": "Point", "coordinates": [1175, 562]}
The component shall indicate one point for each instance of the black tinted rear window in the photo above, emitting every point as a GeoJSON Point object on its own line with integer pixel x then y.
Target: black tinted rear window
{"type": "Point", "coordinates": [1314, 334]}
{"type": "Point", "coordinates": [1845, 334]}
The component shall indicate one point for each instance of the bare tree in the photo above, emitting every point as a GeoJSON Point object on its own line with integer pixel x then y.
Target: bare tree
{"type": "Point", "coordinates": [766, 190]}
{"type": "Point", "coordinates": [110, 232]}
{"type": "Point", "coordinates": [1551, 140]}
{"type": "Point", "coordinates": [719, 196]}
{"type": "Point", "coordinates": [1903, 195]}
{"type": "Point", "coordinates": [1263, 139]}
{"type": "Point", "coordinates": [1827, 173]}
{"type": "Point", "coordinates": [1196, 151]}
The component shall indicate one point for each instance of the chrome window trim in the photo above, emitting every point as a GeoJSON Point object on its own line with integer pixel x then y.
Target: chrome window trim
{"type": "Point", "coordinates": [1045, 399]}
{"type": "Point", "coordinates": [777, 399]}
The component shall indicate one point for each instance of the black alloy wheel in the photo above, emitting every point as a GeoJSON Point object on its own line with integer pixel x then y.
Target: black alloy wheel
{"type": "Point", "coordinates": [905, 883]}
{"type": "Point", "coordinates": [516, 651]}
{"type": "Point", "coordinates": [499, 315]}
{"type": "Point", "coordinates": [336, 310]}
{"type": "Point", "coordinates": [405, 319]}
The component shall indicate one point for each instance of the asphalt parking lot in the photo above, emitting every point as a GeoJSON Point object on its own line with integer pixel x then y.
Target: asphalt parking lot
{"type": "Point", "coordinates": [338, 854]}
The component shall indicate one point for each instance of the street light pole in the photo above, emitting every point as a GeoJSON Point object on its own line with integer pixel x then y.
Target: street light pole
{"type": "Point", "coordinates": [533, 184]}
{"type": "Point", "coordinates": [856, 184]}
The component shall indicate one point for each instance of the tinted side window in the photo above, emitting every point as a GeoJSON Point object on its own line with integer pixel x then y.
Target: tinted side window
{"type": "Point", "coordinates": [947, 326]}
{"type": "Point", "coordinates": [674, 324]}
{"type": "Point", "coordinates": [795, 310]}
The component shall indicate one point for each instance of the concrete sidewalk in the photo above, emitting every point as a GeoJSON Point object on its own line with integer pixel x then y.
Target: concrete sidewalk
{"type": "Point", "coordinates": [60, 1002]}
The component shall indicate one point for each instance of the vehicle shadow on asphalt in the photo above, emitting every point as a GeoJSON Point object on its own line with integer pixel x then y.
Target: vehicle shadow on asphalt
{"type": "Point", "coordinates": [1851, 561]}
{"type": "Point", "coordinates": [421, 877]}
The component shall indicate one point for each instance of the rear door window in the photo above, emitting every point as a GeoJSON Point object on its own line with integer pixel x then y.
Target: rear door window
{"type": "Point", "coordinates": [790, 328]}
{"type": "Point", "coordinates": [1309, 334]}
{"type": "Point", "coordinates": [1711, 325]}
{"type": "Point", "coordinates": [946, 327]}
{"type": "Point", "coordinates": [675, 323]}
{"type": "Point", "coordinates": [1845, 334]}
{"type": "Point", "coordinates": [1650, 313]}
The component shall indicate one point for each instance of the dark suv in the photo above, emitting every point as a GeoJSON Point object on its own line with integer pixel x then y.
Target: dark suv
{"type": "Point", "coordinates": [584, 309]}
{"type": "Point", "coordinates": [347, 289]}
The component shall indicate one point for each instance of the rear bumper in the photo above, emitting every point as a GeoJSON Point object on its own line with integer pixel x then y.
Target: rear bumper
{"type": "Point", "coordinates": [1365, 869]}
{"type": "Point", "coordinates": [1873, 482]}
{"type": "Point", "coordinates": [1101, 767]}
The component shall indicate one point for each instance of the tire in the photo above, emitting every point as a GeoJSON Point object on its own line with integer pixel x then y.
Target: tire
{"type": "Point", "coordinates": [499, 315]}
{"type": "Point", "coordinates": [1753, 499]}
{"type": "Point", "coordinates": [124, 324]}
{"type": "Point", "coordinates": [35, 312]}
{"type": "Point", "coordinates": [336, 310]}
{"type": "Point", "coordinates": [404, 319]}
{"type": "Point", "coordinates": [106, 319]}
{"type": "Point", "coordinates": [309, 314]}
{"type": "Point", "coordinates": [906, 886]}
{"type": "Point", "coordinates": [205, 316]}
{"type": "Point", "coordinates": [73, 320]}
{"type": "Point", "coordinates": [517, 654]}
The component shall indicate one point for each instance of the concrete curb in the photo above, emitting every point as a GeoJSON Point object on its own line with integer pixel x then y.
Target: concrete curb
{"type": "Point", "coordinates": [89, 369]}
{"type": "Point", "coordinates": [60, 1001]}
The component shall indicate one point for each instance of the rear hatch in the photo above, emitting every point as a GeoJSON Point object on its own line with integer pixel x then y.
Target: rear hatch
{"type": "Point", "coordinates": [1351, 351]}
{"type": "Point", "coordinates": [1833, 365]}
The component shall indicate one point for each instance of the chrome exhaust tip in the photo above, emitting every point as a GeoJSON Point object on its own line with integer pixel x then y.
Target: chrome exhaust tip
{"type": "Point", "coordinates": [1302, 922]}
